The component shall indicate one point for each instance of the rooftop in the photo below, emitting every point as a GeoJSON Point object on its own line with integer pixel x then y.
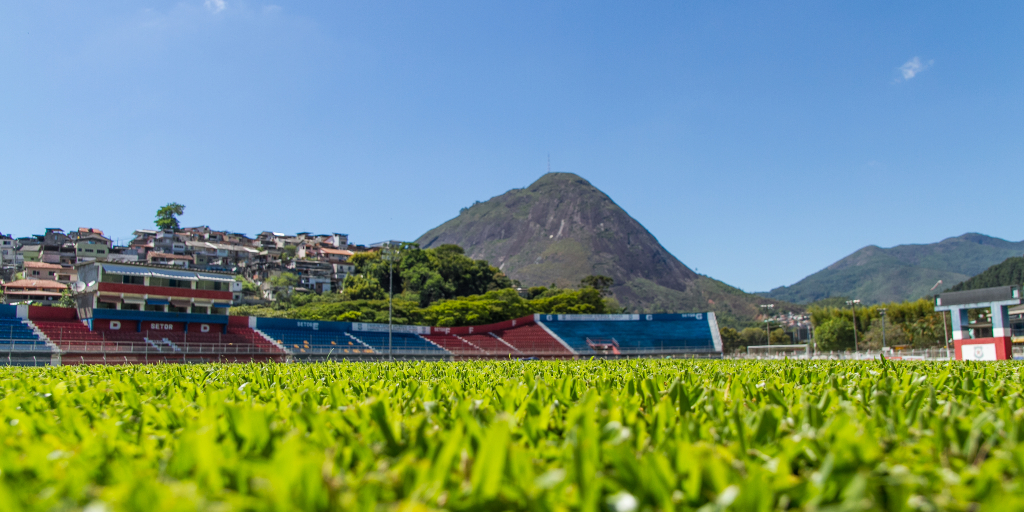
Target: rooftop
{"type": "Point", "coordinates": [341, 252]}
{"type": "Point", "coordinates": [41, 265]}
{"type": "Point", "coordinates": [164, 255]}
{"type": "Point", "coordinates": [147, 264]}
{"type": "Point", "coordinates": [35, 283]}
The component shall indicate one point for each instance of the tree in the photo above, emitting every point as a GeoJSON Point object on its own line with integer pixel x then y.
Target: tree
{"type": "Point", "coordinates": [249, 288]}
{"type": "Point", "coordinates": [779, 337]}
{"type": "Point", "coordinates": [434, 289]}
{"type": "Point", "coordinates": [895, 335]}
{"type": "Point", "coordinates": [66, 300]}
{"type": "Point", "coordinates": [167, 216]}
{"type": "Point", "coordinates": [752, 336]}
{"type": "Point", "coordinates": [361, 287]}
{"type": "Point", "coordinates": [288, 253]}
{"type": "Point", "coordinates": [731, 340]}
{"type": "Point", "coordinates": [600, 283]}
{"type": "Point", "coordinates": [587, 301]}
{"type": "Point", "coordinates": [835, 334]}
{"type": "Point", "coordinates": [282, 283]}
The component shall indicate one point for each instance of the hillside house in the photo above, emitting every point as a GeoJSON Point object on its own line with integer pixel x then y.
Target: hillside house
{"type": "Point", "coordinates": [8, 251]}
{"type": "Point", "coordinates": [40, 270]}
{"type": "Point", "coordinates": [162, 258]}
{"type": "Point", "coordinates": [91, 247]}
{"type": "Point", "coordinates": [39, 291]}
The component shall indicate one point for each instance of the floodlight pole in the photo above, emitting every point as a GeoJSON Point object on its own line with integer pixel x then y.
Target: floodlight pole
{"type": "Point", "coordinates": [391, 293]}
{"type": "Point", "coordinates": [881, 311]}
{"type": "Point", "coordinates": [767, 323]}
{"type": "Point", "coordinates": [854, 303]}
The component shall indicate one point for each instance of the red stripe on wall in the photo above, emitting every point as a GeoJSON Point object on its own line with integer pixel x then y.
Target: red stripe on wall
{"type": "Point", "coordinates": [165, 291]}
{"type": "Point", "coordinates": [48, 313]}
{"type": "Point", "coordinates": [508, 324]}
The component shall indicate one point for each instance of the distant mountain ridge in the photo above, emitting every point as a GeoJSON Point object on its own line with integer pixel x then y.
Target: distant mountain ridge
{"type": "Point", "coordinates": [1007, 273]}
{"type": "Point", "coordinates": [561, 229]}
{"type": "Point", "coordinates": [904, 272]}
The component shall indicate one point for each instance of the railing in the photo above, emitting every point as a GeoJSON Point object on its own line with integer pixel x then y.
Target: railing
{"type": "Point", "coordinates": [927, 354]}
{"type": "Point", "coordinates": [24, 352]}
{"type": "Point", "coordinates": [155, 347]}
{"type": "Point", "coordinates": [411, 354]}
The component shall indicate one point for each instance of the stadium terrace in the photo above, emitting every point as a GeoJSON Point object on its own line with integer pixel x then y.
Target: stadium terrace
{"type": "Point", "coordinates": [42, 335]}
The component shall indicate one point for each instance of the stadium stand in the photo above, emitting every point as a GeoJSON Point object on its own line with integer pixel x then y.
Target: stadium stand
{"type": "Point", "coordinates": [400, 341]}
{"type": "Point", "coordinates": [148, 337]}
{"type": "Point", "coordinates": [697, 332]}
{"type": "Point", "coordinates": [307, 342]}
{"type": "Point", "coordinates": [522, 337]}
{"type": "Point", "coordinates": [126, 336]}
{"type": "Point", "coordinates": [311, 337]}
{"type": "Point", "coordinates": [19, 343]}
{"type": "Point", "coordinates": [303, 337]}
{"type": "Point", "coordinates": [532, 339]}
{"type": "Point", "coordinates": [455, 344]}
{"type": "Point", "coordinates": [491, 344]}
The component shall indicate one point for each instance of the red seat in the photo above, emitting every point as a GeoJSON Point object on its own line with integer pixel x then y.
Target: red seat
{"type": "Point", "coordinates": [454, 344]}
{"type": "Point", "coordinates": [489, 344]}
{"type": "Point", "coordinates": [532, 339]}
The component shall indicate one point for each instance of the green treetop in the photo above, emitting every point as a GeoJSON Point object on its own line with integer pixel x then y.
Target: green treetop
{"type": "Point", "coordinates": [167, 216]}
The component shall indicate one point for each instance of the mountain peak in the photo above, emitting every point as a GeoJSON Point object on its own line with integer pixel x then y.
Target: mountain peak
{"type": "Point", "coordinates": [559, 178]}
{"type": "Point", "coordinates": [561, 229]}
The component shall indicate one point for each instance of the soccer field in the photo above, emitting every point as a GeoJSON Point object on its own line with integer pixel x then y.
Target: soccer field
{"type": "Point", "coordinates": [540, 435]}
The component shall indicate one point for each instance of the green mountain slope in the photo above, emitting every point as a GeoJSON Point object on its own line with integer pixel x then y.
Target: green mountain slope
{"type": "Point", "coordinates": [1009, 272]}
{"type": "Point", "coordinates": [561, 229]}
{"type": "Point", "coordinates": [904, 272]}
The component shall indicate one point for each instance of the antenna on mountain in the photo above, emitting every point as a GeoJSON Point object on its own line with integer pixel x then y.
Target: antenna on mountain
{"type": "Point", "coordinates": [549, 163]}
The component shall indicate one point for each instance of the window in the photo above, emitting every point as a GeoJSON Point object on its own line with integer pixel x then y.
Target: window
{"type": "Point", "coordinates": [133, 280]}
{"type": "Point", "coordinates": [35, 272]}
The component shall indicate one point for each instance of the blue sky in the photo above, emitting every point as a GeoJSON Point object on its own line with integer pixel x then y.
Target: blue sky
{"type": "Point", "coordinates": [759, 141]}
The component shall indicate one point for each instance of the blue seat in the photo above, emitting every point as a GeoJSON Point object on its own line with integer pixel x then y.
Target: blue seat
{"type": "Point", "coordinates": [400, 341]}
{"type": "Point", "coordinates": [13, 329]}
{"type": "Point", "coordinates": [315, 342]}
{"type": "Point", "coordinates": [17, 339]}
{"type": "Point", "coordinates": [636, 335]}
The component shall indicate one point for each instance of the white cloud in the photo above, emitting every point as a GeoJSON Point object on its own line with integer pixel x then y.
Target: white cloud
{"type": "Point", "coordinates": [912, 67]}
{"type": "Point", "coordinates": [216, 6]}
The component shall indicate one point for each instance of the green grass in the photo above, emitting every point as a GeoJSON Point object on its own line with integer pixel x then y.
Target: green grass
{"type": "Point", "coordinates": [572, 435]}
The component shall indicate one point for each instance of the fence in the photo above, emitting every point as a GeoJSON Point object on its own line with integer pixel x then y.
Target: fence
{"type": "Point", "coordinates": [929, 354]}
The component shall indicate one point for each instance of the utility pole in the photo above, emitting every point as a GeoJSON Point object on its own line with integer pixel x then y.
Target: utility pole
{"type": "Point", "coordinates": [881, 311]}
{"type": "Point", "coordinates": [945, 331]}
{"type": "Point", "coordinates": [854, 303]}
{"type": "Point", "coordinates": [391, 293]}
